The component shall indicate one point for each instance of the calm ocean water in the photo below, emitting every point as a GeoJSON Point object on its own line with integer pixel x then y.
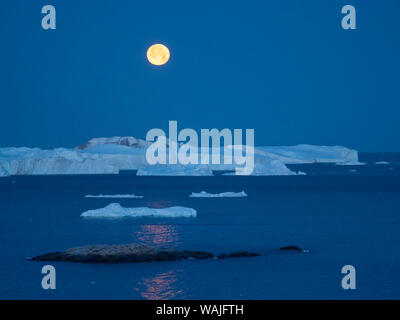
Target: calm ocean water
{"type": "Point", "coordinates": [343, 214]}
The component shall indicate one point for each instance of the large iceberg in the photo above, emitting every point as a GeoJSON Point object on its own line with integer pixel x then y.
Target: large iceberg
{"type": "Point", "coordinates": [110, 155]}
{"type": "Point", "coordinates": [305, 153]}
{"type": "Point", "coordinates": [106, 159]}
{"type": "Point", "coordinates": [115, 210]}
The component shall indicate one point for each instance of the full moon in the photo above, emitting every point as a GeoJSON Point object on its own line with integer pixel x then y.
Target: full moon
{"type": "Point", "coordinates": [158, 54]}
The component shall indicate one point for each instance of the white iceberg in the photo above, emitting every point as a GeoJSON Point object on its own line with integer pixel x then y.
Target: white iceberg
{"type": "Point", "coordinates": [123, 141]}
{"type": "Point", "coordinates": [265, 166]}
{"type": "Point", "coordinates": [229, 194]}
{"type": "Point", "coordinates": [115, 210]}
{"type": "Point", "coordinates": [110, 155]}
{"type": "Point", "coordinates": [305, 153]}
{"type": "Point", "coordinates": [114, 196]}
{"type": "Point", "coordinates": [382, 162]}
{"type": "Point", "coordinates": [107, 160]}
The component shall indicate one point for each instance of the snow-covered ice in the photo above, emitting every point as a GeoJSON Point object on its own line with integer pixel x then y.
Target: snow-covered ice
{"type": "Point", "coordinates": [123, 141]}
{"type": "Point", "coordinates": [204, 194]}
{"type": "Point", "coordinates": [110, 155]}
{"type": "Point", "coordinates": [115, 210]}
{"type": "Point", "coordinates": [305, 153]}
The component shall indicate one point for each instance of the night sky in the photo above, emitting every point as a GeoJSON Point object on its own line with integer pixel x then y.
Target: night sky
{"type": "Point", "coordinates": [285, 68]}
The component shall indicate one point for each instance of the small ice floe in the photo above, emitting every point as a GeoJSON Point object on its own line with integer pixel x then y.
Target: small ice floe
{"type": "Point", "coordinates": [301, 173]}
{"type": "Point", "coordinates": [355, 163]}
{"type": "Point", "coordinates": [381, 162]}
{"type": "Point", "coordinates": [114, 196]}
{"type": "Point", "coordinates": [204, 194]}
{"type": "Point", "coordinates": [115, 210]}
{"type": "Point", "coordinates": [352, 170]}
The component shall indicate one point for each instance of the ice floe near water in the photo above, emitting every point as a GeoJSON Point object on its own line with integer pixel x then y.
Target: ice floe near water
{"type": "Point", "coordinates": [204, 194]}
{"type": "Point", "coordinates": [114, 196]}
{"type": "Point", "coordinates": [115, 210]}
{"type": "Point", "coordinates": [110, 155]}
{"type": "Point", "coordinates": [381, 162]}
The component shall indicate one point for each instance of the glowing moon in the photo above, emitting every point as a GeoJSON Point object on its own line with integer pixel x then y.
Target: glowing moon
{"type": "Point", "coordinates": [158, 54]}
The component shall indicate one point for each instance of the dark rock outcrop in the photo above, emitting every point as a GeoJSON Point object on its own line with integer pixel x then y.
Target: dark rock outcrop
{"type": "Point", "coordinates": [237, 254]}
{"type": "Point", "coordinates": [291, 248]}
{"type": "Point", "coordinates": [131, 253]}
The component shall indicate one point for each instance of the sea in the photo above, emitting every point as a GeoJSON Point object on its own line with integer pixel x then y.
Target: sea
{"type": "Point", "coordinates": [341, 215]}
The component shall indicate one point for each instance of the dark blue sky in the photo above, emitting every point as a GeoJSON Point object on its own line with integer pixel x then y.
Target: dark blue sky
{"type": "Point", "coordinates": [285, 68]}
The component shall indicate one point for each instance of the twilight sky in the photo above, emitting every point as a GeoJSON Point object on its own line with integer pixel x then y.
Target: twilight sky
{"type": "Point", "coordinates": [285, 68]}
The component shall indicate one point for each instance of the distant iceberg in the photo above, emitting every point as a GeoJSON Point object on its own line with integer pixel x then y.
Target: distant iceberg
{"type": "Point", "coordinates": [204, 194]}
{"type": "Point", "coordinates": [266, 166]}
{"type": "Point", "coordinates": [305, 153]}
{"type": "Point", "coordinates": [122, 141]}
{"type": "Point", "coordinates": [110, 155]}
{"type": "Point", "coordinates": [107, 159]}
{"type": "Point", "coordinates": [115, 210]}
{"type": "Point", "coordinates": [382, 162]}
{"type": "Point", "coordinates": [112, 196]}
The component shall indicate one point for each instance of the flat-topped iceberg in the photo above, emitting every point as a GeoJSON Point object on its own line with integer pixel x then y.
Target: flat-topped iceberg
{"type": "Point", "coordinates": [110, 155]}
{"type": "Point", "coordinates": [105, 160]}
{"type": "Point", "coordinates": [114, 196]}
{"type": "Point", "coordinates": [228, 194]}
{"type": "Point", "coordinates": [115, 210]}
{"type": "Point", "coordinates": [305, 153]}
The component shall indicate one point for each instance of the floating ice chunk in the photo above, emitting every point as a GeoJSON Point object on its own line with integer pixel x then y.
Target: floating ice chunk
{"type": "Point", "coordinates": [115, 210]}
{"type": "Point", "coordinates": [204, 194]}
{"type": "Point", "coordinates": [116, 196]}
{"type": "Point", "coordinates": [358, 163]}
{"type": "Point", "coordinates": [382, 162]}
